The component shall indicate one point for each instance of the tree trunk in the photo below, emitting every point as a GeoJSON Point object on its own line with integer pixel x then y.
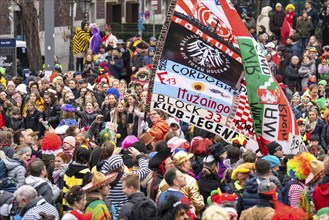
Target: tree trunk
{"type": "Point", "coordinates": [28, 17]}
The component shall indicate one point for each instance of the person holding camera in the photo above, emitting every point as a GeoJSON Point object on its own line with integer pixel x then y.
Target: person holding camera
{"type": "Point", "coordinates": [115, 62]}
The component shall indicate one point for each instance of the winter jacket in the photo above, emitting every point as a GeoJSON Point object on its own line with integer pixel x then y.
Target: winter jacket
{"type": "Point", "coordinates": [16, 124]}
{"type": "Point", "coordinates": [307, 69]}
{"type": "Point", "coordinates": [148, 59]}
{"type": "Point", "coordinates": [32, 121]}
{"type": "Point", "coordinates": [319, 127]}
{"type": "Point", "coordinates": [292, 77]}
{"type": "Point", "coordinates": [321, 194]}
{"type": "Point", "coordinates": [325, 137]}
{"type": "Point", "coordinates": [117, 67]}
{"type": "Point", "coordinates": [257, 213]}
{"type": "Point", "coordinates": [8, 150]}
{"type": "Point", "coordinates": [190, 191]}
{"type": "Point", "coordinates": [127, 209]}
{"type": "Point", "coordinates": [86, 118]}
{"type": "Point", "coordinates": [39, 103]}
{"type": "Point", "coordinates": [304, 27]}
{"type": "Point", "coordinates": [15, 169]}
{"type": "Point", "coordinates": [316, 150]}
{"type": "Point", "coordinates": [137, 60]}
{"type": "Point", "coordinates": [34, 207]}
{"type": "Point", "coordinates": [276, 21]}
{"type": "Point", "coordinates": [208, 183]}
{"type": "Point", "coordinates": [264, 19]}
{"type": "Point", "coordinates": [52, 115]}
{"type": "Point", "coordinates": [42, 187]}
{"type": "Point", "coordinates": [295, 49]}
{"type": "Point", "coordinates": [250, 193]}
{"type": "Point", "coordinates": [314, 17]}
{"type": "Point", "coordinates": [159, 130]}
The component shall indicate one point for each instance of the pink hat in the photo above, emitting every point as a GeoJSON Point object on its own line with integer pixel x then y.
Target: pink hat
{"type": "Point", "coordinates": [175, 143]}
{"type": "Point", "coordinates": [70, 140]}
{"type": "Point", "coordinates": [128, 141]}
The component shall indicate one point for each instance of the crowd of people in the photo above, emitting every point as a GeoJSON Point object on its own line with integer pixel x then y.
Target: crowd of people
{"type": "Point", "coordinates": [79, 144]}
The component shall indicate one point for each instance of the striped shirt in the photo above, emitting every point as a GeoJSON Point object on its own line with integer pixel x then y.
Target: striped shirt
{"type": "Point", "coordinates": [41, 206]}
{"type": "Point", "coordinates": [116, 195]}
{"type": "Point", "coordinates": [294, 193]}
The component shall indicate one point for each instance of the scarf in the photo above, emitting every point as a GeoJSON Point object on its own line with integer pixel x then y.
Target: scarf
{"type": "Point", "coordinates": [310, 126]}
{"type": "Point", "coordinates": [314, 150]}
{"type": "Point", "coordinates": [56, 175]}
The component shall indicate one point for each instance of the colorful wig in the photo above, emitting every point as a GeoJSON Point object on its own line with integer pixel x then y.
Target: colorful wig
{"type": "Point", "coordinates": [114, 92]}
{"type": "Point", "coordinates": [216, 196]}
{"type": "Point", "coordinates": [128, 141]}
{"type": "Point", "coordinates": [68, 108]}
{"type": "Point", "coordinates": [288, 213]}
{"type": "Point", "coordinates": [51, 141]}
{"type": "Point", "coordinates": [299, 166]}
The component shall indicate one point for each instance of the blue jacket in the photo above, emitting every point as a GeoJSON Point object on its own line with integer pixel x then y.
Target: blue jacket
{"type": "Point", "coordinates": [250, 194]}
{"type": "Point", "coordinates": [164, 195]}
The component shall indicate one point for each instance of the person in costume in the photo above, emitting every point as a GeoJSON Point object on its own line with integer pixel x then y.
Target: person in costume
{"type": "Point", "coordinates": [286, 212]}
{"type": "Point", "coordinates": [209, 179]}
{"type": "Point", "coordinates": [225, 200]}
{"type": "Point", "coordinates": [97, 190]}
{"type": "Point", "coordinates": [289, 23]}
{"type": "Point", "coordinates": [306, 199]}
{"type": "Point", "coordinates": [50, 146]}
{"type": "Point", "coordinates": [158, 164]}
{"type": "Point", "coordinates": [298, 168]}
{"type": "Point", "coordinates": [78, 172]}
{"type": "Point", "coordinates": [95, 40]}
{"type": "Point", "coordinates": [68, 116]}
{"type": "Point", "coordinates": [321, 191]}
{"type": "Point", "coordinates": [159, 126]}
{"type": "Point", "coordinates": [264, 208]}
{"type": "Point", "coordinates": [76, 198]}
{"type": "Point", "coordinates": [80, 43]}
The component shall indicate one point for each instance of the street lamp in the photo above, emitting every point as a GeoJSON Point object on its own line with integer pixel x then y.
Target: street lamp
{"type": "Point", "coordinates": [85, 7]}
{"type": "Point", "coordinates": [71, 64]}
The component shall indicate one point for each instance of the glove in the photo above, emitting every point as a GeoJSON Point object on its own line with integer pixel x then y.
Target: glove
{"type": "Point", "coordinates": [145, 126]}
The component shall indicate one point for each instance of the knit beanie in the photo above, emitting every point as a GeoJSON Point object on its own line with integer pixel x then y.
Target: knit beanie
{"type": "Point", "coordinates": [273, 160]}
{"type": "Point", "coordinates": [70, 140]}
{"type": "Point", "coordinates": [273, 147]}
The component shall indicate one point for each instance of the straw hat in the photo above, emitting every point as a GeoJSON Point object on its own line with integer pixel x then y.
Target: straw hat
{"type": "Point", "coordinates": [180, 155]}
{"type": "Point", "coordinates": [99, 180]}
{"type": "Point", "coordinates": [316, 168]}
{"type": "Point", "coordinates": [146, 138]}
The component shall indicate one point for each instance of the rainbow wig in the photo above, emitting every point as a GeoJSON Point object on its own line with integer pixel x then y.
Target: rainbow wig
{"type": "Point", "coordinates": [299, 166]}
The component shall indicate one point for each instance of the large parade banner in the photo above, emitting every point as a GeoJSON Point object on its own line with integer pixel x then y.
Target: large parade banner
{"type": "Point", "coordinates": [271, 114]}
{"type": "Point", "coordinates": [197, 75]}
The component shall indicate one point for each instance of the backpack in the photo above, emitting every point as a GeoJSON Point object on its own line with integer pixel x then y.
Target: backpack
{"type": "Point", "coordinates": [285, 191]}
{"type": "Point", "coordinates": [143, 209]}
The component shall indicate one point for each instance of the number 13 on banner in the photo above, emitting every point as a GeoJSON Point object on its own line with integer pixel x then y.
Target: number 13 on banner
{"type": "Point", "coordinates": [164, 79]}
